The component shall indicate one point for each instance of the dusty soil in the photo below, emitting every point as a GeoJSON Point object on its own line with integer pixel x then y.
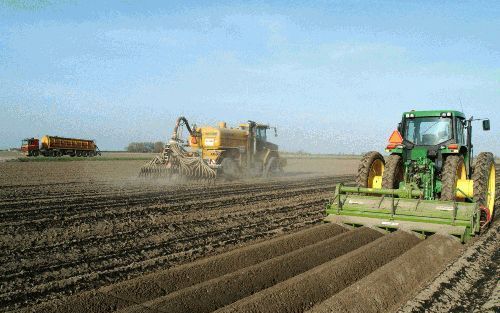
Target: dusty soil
{"type": "Point", "coordinates": [67, 227]}
{"type": "Point", "coordinates": [470, 284]}
{"type": "Point", "coordinates": [88, 236]}
{"type": "Point", "coordinates": [213, 294]}
{"type": "Point", "coordinates": [309, 288]}
{"type": "Point", "coordinates": [9, 155]}
{"type": "Point", "coordinates": [391, 284]}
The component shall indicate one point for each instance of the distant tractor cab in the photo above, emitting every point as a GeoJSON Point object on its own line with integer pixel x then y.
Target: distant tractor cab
{"type": "Point", "coordinates": [428, 183]}
{"type": "Point", "coordinates": [30, 147]}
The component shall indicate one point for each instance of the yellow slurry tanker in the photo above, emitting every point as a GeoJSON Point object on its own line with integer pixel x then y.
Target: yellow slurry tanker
{"type": "Point", "coordinates": [428, 184]}
{"type": "Point", "coordinates": [211, 151]}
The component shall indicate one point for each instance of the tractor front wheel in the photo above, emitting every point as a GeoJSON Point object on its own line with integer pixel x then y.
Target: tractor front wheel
{"type": "Point", "coordinates": [484, 184]}
{"type": "Point", "coordinates": [370, 170]}
{"type": "Point", "coordinates": [453, 170]}
{"type": "Point", "coordinates": [393, 173]}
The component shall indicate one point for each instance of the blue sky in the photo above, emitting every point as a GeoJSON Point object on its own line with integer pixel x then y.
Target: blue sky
{"type": "Point", "coordinates": [333, 76]}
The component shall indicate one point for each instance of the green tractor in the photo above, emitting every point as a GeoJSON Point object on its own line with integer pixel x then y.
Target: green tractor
{"type": "Point", "coordinates": [428, 184]}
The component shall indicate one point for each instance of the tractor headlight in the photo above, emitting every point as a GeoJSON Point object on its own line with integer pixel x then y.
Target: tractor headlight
{"type": "Point", "coordinates": [412, 115]}
{"type": "Point", "coordinates": [448, 114]}
{"type": "Point", "coordinates": [407, 115]}
{"type": "Point", "coordinates": [443, 114]}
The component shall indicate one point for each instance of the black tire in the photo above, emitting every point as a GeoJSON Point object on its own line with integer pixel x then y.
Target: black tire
{"type": "Point", "coordinates": [364, 168]}
{"type": "Point", "coordinates": [393, 172]}
{"type": "Point", "coordinates": [449, 176]}
{"type": "Point", "coordinates": [480, 176]}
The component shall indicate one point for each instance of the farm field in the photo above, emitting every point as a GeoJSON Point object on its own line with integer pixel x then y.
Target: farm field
{"type": "Point", "coordinates": [89, 236]}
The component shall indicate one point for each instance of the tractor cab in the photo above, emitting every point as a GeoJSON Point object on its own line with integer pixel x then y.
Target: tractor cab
{"type": "Point", "coordinates": [429, 131]}
{"type": "Point", "coordinates": [432, 136]}
{"type": "Point", "coordinates": [261, 132]}
{"type": "Point", "coordinates": [433, 129]}
{"type": "Point", "coordinates": [30, 147]}
{"type": "Point", "coordinates": [261, 138]}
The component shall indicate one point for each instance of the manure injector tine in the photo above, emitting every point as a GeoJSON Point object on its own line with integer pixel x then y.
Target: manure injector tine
{"type": "Point", "coordinates": [428, 184]}
{"type": "Point", "coordinates": [175, 161]}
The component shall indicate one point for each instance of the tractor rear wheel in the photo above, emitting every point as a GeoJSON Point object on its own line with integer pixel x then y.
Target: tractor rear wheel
{"type": "Point", "coordinates": [453, 170]}
{"type": "Point", "coordinates": [393, 173]}
{"type": "Point", "coordinates": [371, 169]}
{"type": "Point", "coordinates": [484, 183]}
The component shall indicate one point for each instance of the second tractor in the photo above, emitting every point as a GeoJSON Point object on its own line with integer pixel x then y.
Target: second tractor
{"type": "Point", "coordinates": [210, 152]}
{"type": "Point", "coordinates": [429, 183]}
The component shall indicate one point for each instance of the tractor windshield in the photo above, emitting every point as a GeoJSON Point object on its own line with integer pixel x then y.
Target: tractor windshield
{"type": "Point", "coordinates": [428, 131]}
{"type": "Point", "coordinates": [261, 133]}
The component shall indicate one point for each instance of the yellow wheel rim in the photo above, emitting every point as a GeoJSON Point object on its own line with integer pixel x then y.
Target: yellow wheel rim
{"type": "Point", "coordinates": [461, 177]}
{"type": "Point", "coordinates": [490, 199]}
{"type": "Point", "coordinates": [461, 172]}
{"type": "Point", "coordinates": [376, 169]}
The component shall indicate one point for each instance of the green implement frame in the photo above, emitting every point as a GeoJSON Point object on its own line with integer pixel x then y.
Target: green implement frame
{"type": "Point", "coordinates": [392, 209]}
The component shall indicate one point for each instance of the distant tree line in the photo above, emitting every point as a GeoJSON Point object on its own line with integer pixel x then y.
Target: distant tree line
{"type": "Point", "coordinates": [145, 147]}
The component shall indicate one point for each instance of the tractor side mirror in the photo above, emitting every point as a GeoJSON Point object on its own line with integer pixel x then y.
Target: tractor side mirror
{"type": "Point", "coordinates": [486, 125]}
{"type": "Point", "coordinates": [400, 127]}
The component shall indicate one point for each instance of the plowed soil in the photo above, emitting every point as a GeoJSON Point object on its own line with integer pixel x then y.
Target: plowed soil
{"type": "Point", "coordinates": [67, 227]}
{"type": "Point", "coordinates": [93, 238]}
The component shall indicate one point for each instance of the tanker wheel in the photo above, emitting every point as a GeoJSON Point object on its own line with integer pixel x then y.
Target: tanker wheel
{"type": "Point", "coordinates": [370, 170]}
{"type": "Point", "coordinates": [453, 170]}
{"type": "Point", "coordinates": [78, 153]}
{"type": "Point", "coordinates": [393, 173]}
{"type": "Point", "coordinates": [484, 184]}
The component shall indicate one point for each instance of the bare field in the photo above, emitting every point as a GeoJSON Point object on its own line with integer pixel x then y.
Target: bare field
{"type": "Point", "coordinates": [90, 236]}
{"type": "Point", "coordinates": [118, 171]}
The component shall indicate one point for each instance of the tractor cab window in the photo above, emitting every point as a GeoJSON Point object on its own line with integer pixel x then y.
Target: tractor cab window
{"type": "Point", "coordinates": [261, 134]}
{"type": "Point", "coordinates": [428, 131]}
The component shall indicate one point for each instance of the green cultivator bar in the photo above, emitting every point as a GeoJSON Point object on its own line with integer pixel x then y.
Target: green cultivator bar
{"type": "Point", "coordinates": [392, 209]}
